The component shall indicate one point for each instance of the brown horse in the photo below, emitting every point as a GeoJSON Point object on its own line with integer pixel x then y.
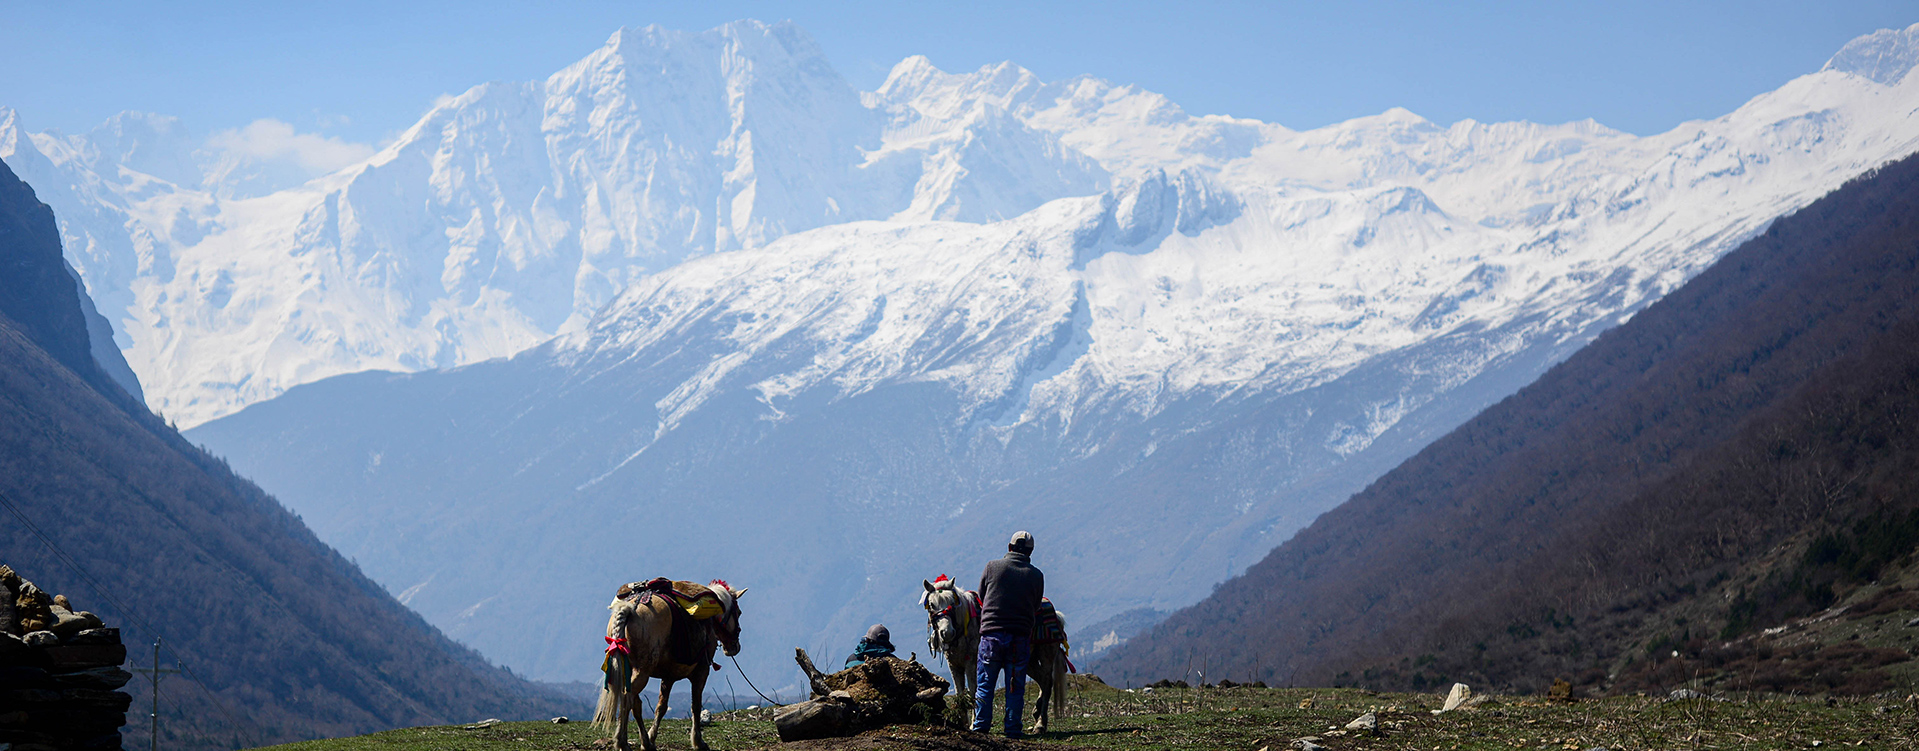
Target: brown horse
{"type": "Point", "coordinates": [638, 634]}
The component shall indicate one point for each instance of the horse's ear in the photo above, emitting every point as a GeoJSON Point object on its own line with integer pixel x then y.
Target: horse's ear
{"type": "Point", "coordinates": [741, 593]}
{"type": "Point", "coordinates": [928, 585]}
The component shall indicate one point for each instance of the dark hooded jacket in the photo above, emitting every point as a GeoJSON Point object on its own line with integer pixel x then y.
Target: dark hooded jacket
{"type": "Point", "coordinates": [1009, 590]}
{"type": "Point", "coordinates": [868, 650]}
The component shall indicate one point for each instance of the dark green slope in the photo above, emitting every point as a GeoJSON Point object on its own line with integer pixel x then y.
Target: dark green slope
{"type": "Point", "coordinates": [1664, 486]}
{"type": "Point", "coordinates": [288, 636]}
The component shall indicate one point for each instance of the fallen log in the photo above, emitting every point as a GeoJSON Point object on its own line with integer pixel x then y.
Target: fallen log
{"type": "Point", "coordinates": [877, 693]}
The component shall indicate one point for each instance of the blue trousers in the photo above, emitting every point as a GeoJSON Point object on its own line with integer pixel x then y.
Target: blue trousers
{"type": "Point", "coordinates": [1007, 651]}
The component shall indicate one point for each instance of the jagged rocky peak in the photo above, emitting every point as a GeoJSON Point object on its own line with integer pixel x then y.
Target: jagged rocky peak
{"type": "Point", "coordinates": [1156, 203]}
{"type": "Point", "coordinates": [1885, 56]}
{"type": "Point", "coordinates": [916, 82]}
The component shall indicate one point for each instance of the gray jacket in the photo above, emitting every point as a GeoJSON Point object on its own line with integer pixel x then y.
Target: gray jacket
{"type": "Point", "coordinates": [1009, 593]}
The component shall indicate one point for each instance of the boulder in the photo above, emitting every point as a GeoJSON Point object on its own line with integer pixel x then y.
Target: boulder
{"type": "Point", "coordinates": [94, 636]}
{"type": "Point", "coordinates": [68, 623]}
{"type": "Point", "coordinates": [1366, 723]}
{"type": "Point", "coordinates": [1458, 697]}
{"type": "Point", "coordinates": [1687, 693]}
{"type": "Point", "coordinates": [10, 644]}
{"type": "Point", "coordinates": [32, 608]}
{"type": "Point", "coordinates": [7, 593]}
{"type": "Point", "coordinates": [109, 677]}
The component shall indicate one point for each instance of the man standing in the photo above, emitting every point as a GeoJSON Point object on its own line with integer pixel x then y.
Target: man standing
{"type": "Point", "coordinates": [1009, 590]}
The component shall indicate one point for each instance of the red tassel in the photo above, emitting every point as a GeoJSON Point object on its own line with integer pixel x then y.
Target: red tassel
{"type": "Point", "coordinates": [617, 644]}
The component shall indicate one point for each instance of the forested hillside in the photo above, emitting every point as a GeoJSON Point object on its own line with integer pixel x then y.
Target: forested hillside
{"type": "Point", "coordinates": [1743, 453]}
{"type": "Point", "coordinates": [282, 637]}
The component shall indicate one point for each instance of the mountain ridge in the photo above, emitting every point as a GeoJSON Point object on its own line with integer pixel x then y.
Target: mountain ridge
{"type": "Point", "coordinates": [1641, 493]}
{"type": "Point", "coordinates": [536, 242]}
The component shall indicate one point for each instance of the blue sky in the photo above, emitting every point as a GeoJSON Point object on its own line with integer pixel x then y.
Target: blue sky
{"type": "Point", "coordinates": [362, 71]}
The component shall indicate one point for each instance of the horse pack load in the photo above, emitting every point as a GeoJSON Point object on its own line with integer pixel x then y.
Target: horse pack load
{"type": "Point", "coordinates": [696, 599]}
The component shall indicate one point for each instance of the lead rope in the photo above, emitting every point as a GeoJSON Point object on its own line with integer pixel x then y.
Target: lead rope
{"type": "Point", "coordinates": [749, 682]}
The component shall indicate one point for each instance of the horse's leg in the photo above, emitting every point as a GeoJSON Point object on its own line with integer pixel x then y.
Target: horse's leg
{"type": "Point", "coordinates": [698, 683]}
{"type": "Point", "coordinates": [626, 705]}
{"type": "Point", "coordinates": [633, 708]}
{"type": "Point", "coordinates": [1042, 674]}
{"type": "Point", "coordinates": [659, 712]}
{"type": "Point", "coordinates": [969, 660]}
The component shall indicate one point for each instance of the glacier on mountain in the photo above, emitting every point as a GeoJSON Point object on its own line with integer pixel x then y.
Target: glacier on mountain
{"type": "Point", "coordinates": [1166, 341]}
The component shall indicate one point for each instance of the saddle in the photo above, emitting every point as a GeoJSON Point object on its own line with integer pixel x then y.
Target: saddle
{"type": "Point", "coordinates": [695, 608]}
{"type": "Point", "coordinates": [1047, 629]}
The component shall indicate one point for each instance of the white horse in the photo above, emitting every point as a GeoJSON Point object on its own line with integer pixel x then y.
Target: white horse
{"type": "Point", "coordinates": [638, 636]}
{"type": "Point", "coordinates": [952, 632]}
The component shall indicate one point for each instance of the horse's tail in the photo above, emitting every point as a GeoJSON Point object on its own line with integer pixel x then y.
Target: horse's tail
{"type": "Point", "coordinates": [1059, 671]}
{"type": "Point", "coordinates": [618, 668]}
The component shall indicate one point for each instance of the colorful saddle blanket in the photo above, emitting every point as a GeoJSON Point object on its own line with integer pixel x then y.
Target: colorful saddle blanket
{"type": "Point", "coordinates": [696, 599]}
{"type": "Point", "coordinates": [1047, 628]}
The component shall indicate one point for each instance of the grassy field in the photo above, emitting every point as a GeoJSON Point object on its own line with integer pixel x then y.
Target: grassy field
{"type": "Point", "coordinates": [1251, 719]}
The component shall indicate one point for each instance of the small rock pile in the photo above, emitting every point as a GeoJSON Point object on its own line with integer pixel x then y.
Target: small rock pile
{"type": "Point", "coordinates": [874, 694]}
{"type": "Point", "coordinates": [59, 671]}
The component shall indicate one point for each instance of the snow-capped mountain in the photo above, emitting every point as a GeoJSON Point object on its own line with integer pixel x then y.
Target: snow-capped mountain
{"type": "Point", "coordinates": [508, 213]}
{"type": "Point", "coordinates": [836, 342]}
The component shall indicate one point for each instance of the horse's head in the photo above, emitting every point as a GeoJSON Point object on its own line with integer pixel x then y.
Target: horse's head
{"type": "Point", "coordinates": [728, 626]}
{"type": "Point", "coordinates": [946, 614]}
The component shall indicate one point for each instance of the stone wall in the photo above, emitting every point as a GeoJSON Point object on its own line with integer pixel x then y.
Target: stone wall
{"type": "Point", "coordinates": [59, 673]}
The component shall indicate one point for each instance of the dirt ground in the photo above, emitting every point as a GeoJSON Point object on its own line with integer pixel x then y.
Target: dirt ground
{"type": "Point", "coordinates": [923, 738]}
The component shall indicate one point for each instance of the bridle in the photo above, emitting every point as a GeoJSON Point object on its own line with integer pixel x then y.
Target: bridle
{"type": "Point", "coordinates": [730, 614]}
{"type": "Point", "coordinates": [948, 613]}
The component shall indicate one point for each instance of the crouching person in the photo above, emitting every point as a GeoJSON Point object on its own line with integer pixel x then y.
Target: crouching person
{"type": "Point", "coordinates": [875, 644]}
